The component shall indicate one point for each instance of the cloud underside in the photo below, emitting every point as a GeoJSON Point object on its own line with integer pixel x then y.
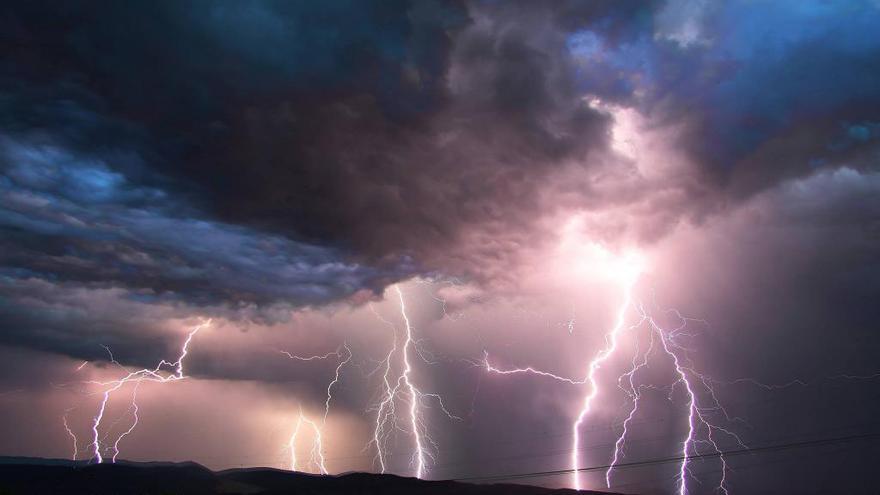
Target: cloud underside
{"type": "Point", "coordinates": [247, 156]}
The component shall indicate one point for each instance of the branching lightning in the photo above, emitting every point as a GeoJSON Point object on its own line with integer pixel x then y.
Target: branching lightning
{"type": "Point", "coordinates": [701, 429]}
{"type": "Point", "coordinates": [414, 394]}
{"type": "Point", "coordinates": [698, 415]}
{"type": "Point", "coordinates": [317, 458]}
{"type": "Point", "coordinates": [134, 413]}
{"type": "Point", "coordinates": [404, 390]}
{"type": "Point", "coordinates": [611, 340]}
{"type": "Point", "coordinates": [317, 451]}
{"type": "Point", "coordinates": [136, 377]}
{"type": "Point", "coordinates": [528, 370]}
{"type": "Point", "coordinates": [635, 394]}
{"type": "Point", "coordinates": [402, 406]}
{"type": "Point", "coordinates": [291, 444]}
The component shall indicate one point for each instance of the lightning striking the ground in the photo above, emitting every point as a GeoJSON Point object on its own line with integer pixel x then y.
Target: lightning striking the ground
{"type": "Point", "coordinates": [611, 340]}
{"type": "Point", "coordinates": [71, 434]}
{"type": "Point", "coordinates": [404, 390]}
{"type": "Point", "coordinates": [317, 452]}
{"type": "Point", "coordinates": [700, 398]}
{"type": "Point", "coordinates": [698, 415]}
{"type": "Point", "coordinates": [634, 392]}
{"type": "Point", "coordinates": [414, 394]}
{"type": "Point", "coordinates": [135, 377]}
{"type": "Point", "coordinates": [345, 355]}
{"type": "Point", "coordinates": [134, 413]}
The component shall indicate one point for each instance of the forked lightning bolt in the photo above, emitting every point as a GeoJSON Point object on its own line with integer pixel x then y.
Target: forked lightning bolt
{"type": "Point", "coordinates": [635, 394]}
{"type": "Point", "coordinates": [136, 377]}
{"type": "Point", "coordinates": [403, 389]}
{"type": "Point", "coordinates": [698, 415]}
{"type": "Point", "coordinates": [317, 451]}
{"type": "Point", "coordinates": [611, 340]}
{"type": "Point", "coordinates": [134, 412]}
{"type": "Point", "coordinates": [701, 430]}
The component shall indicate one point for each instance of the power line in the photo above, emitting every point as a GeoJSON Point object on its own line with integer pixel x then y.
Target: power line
{"type": "Point", "coordinates": [542, 454]}
{"type": "Point", "coordinates": [664, 460]}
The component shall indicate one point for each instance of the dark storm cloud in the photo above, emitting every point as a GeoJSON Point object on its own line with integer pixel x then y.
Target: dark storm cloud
{"type": "Point", "coordinates": [78, 322]}
{"type": "Point", "coordinates": [397, 129]}
{"type": "Point", "coordinates": [88, 323]}
{"type": "Point", "coordinates": [348, 166]}
{"type": "Point", "coordinates": [97, 141]}
{"type": "Point", "coordinates": [766, 91]}
{"type": "Point", "coordinates": [70, 218]}
{"type": "Point", "coordinates": [165, 161]}
{"type": "Point", "coordinates": [255, 153]}
{"type": "Point", "coordinates": [244, 109]}
{"type": "Point", "coordinates": [385, 129]}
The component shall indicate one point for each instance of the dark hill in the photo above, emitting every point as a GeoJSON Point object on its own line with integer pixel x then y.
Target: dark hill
{"type": "Point", "coordinates": [29, 476]}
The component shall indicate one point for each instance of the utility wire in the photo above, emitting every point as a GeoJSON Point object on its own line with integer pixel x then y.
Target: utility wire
{"type": "Point", "coordinates": [664, 460]}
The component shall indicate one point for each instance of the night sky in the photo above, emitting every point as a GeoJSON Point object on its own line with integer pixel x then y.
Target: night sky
{"type": "Point", "coordinates": [425, 196]}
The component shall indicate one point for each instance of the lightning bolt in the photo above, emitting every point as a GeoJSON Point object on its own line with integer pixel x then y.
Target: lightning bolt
{"type": "Point", "coordinates": [385, 408]}
{"type": "Point", "coordinates": [71, 434]}
{"type": "Point", "coordinates": [134, 409]}
{"type": "Point", "coordinates": [291, 444]}
{"type": "Point", "coordinates": [635, 394]}
{"type": "Point", "coordinates": [335, 380]}
{"type": "Point", "coordinates": [611, 339]}
{"type": "Point", "coordinates": [404, 389]}
{"type": "Point", "coordinates": [136, 377]}
{"type": "Point", "coordinates": [528, 370]}
{"type": "Point", "coordinates": [342, 362]}
{"type": "Point", "coordinates": [698, 416]}
{"type": "Point", "coordinates": [701, 399]}
{"type": "Point", "coordinates": [414, 393]}
{"type": "Point", "coordinates": [317, 452]}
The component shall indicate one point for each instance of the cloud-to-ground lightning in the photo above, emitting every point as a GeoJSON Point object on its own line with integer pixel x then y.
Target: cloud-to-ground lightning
{"type": "Point", "coordinates": [385, 407]}
{"type": "Point", "coordinates": [414, 394]}
{"type": "Point", "coordinates": [345, 355]}
{"type": "Point", "coordinates": [71, 434]}
{"type": "Point", "coordinates": [701, 429]}
{"type": "Point", "coordinates": [698, 418]}
{"type": "Point", "coordinates": [404, 389]}
{"type": "Point", "coordinates": [134, 413]}
{"type": "Point", "coordinates": [634, 392]}
{"type": "Point", "coordinates": [291, 444]}
{"type": "Point", "coordinates": [628, 280]}
{"type": "Point", "coordinates": [136, 377]}
{"type": "Point", "coordinates": [317, 452]}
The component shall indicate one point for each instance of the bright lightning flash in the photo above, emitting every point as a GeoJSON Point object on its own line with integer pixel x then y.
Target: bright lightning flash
{"type": "Point", "coordinates": [317, 458]}
{"type": "Point", "coordinates": [317, 452]}
{"type": "Point", "coordinates": [135, 377]}
{"type": "Point", "coordinates": [627, 278]}
{"type": "Point", "coordinates": [701, 399]}
{"type": "Point", "coordinates": [404, 390]}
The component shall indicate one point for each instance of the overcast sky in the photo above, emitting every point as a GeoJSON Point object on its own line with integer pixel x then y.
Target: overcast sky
{"type": "Point", "coordinates": [535, 178]}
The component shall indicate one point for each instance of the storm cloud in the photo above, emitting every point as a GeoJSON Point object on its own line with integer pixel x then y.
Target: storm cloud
{"type": "Point", "coordinates": [279, 165]}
